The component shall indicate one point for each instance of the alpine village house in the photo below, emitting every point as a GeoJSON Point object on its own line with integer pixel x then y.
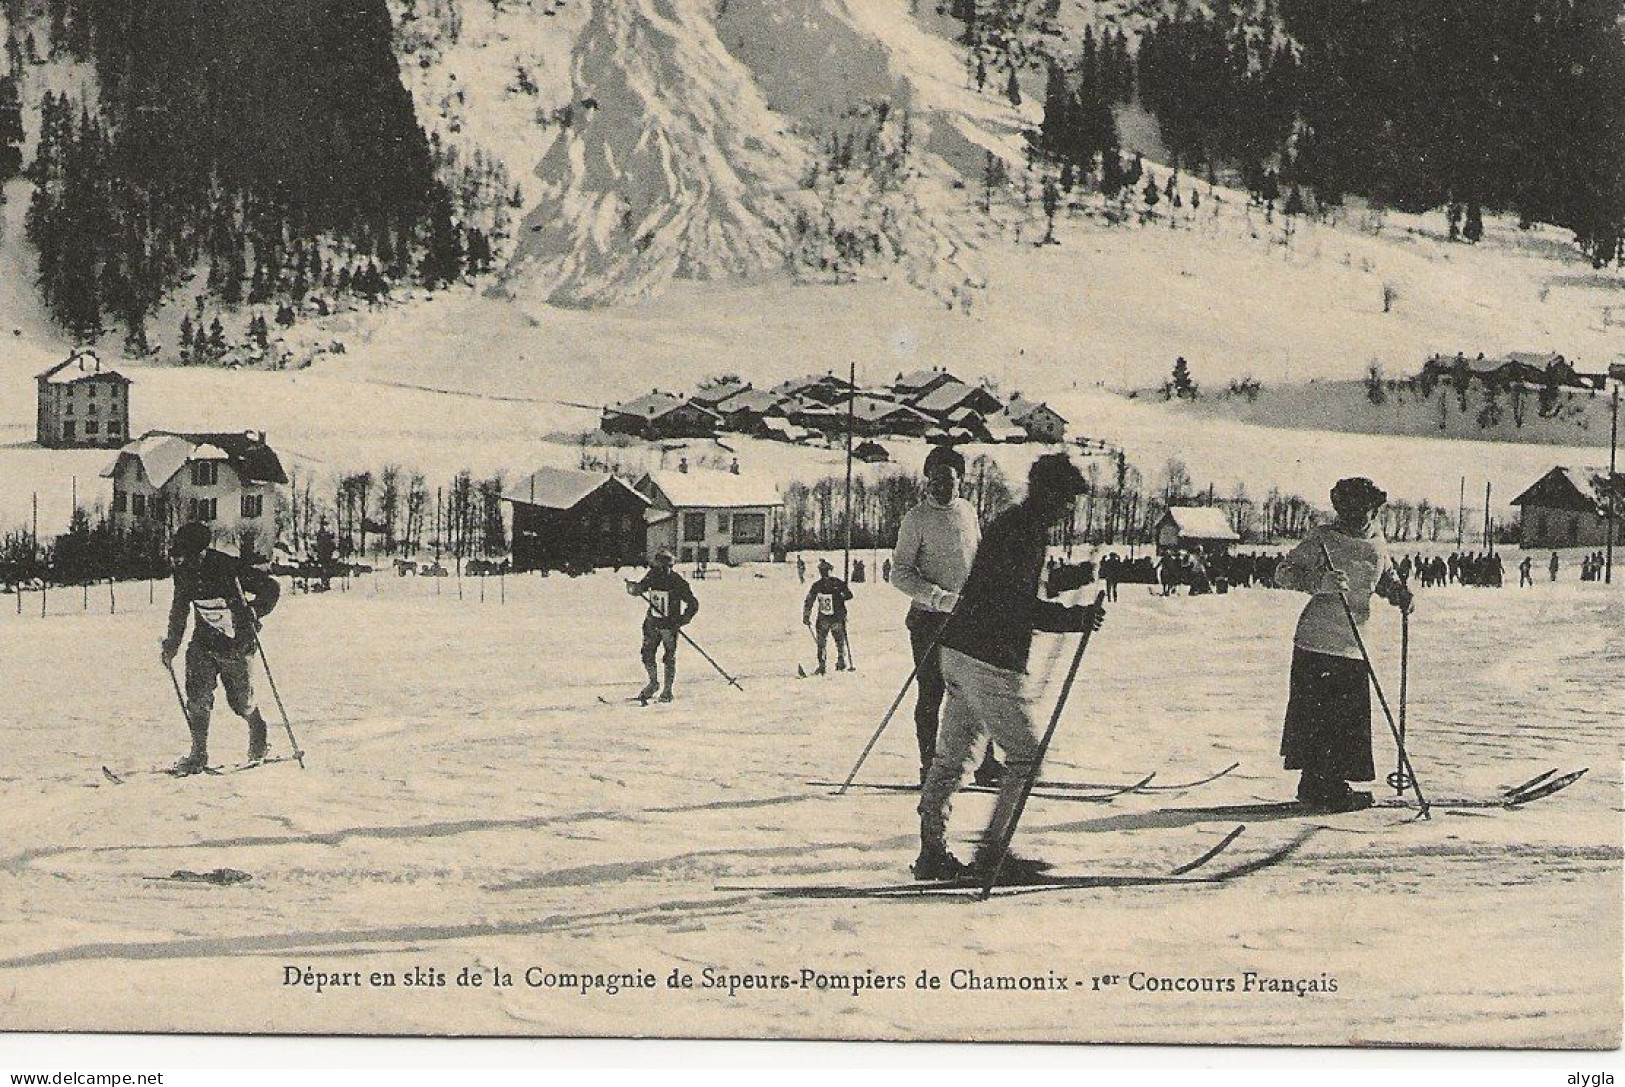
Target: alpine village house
{"type": "Point", "coordinates": [82, 405]}
{"type": "Point", "coordinates": [228, 481]}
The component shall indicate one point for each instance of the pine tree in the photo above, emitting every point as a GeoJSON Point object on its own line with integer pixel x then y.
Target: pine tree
{"type": "Point", "coordinates": [11, 129]}
{"type": "Point", "coordinates": [1012, 88]}
{"type": "Point", "coordinates": [1473, 229]}
{"type": "Point", "coordinates": [186, 339]}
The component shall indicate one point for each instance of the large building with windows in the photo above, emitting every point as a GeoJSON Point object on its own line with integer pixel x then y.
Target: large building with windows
{"type": "Point", "coordinates": [228, 481]}
{"type": "Point", "coordinates": [707, 516]}
{"type": "Point", "coordinates": [1569, 507]}
{"type": "Point", "coordinates": [82, 404]}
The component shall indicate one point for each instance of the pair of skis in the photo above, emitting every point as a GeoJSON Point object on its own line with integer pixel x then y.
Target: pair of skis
{"type": "Point", "coordinates": [1186, 874]}
{"type": "Point", "coordinates": [1078, 791]}
{"type": "Point", "coordinates": [121, 778]}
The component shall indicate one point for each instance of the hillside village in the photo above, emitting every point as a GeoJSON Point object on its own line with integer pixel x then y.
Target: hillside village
{"type": "Point", "coordinates": [932, 404]}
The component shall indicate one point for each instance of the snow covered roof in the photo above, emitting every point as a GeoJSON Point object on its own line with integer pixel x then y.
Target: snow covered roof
{"type": "Point", "coordinates": [785, 429]}
{"type": "Point", "coordinates": [945, 398]}
{"type": "Point", "coordinates": [162, 453]}
{"type": "Point", "coordinates": [1582, 489]}
{"type": "Point", "coordinates": [1001, 428]}
{"type": "Point", "coordinates": [872, 409]}
{"type": "Point", "coordinates": [1020, 409]}
{"type": "Point", "coordinates": [561, 488]}
{"type": "Point", "coordinates": [80, 366]}
{"type": "Point", "coordinates": [1201, 523]}
{"type": "Point", "coordinates": [710, 489]}
{"type": "Point", "coordinates": [655, 404]}
{"type": "Point", "coordinates": [921, 379]}
{"type": "Point", "coordinates": [712, 393]}
{"type": "Point", "coordinates": [754, 400]}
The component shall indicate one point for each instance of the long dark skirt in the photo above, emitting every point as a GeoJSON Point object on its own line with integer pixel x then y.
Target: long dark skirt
{"type": "Point", "coordinates": [1328, 718]}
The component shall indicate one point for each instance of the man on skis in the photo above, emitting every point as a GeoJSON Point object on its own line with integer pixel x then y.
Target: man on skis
{"type": "Point", "coordinates": [985, 647]}
{"type": "Point", "coordinates": [828, 597]}
{"type": "Point", "coordinates": [229, 598]}
{"type": "Point", "coordinates": [935, 545]}
{"type": "Point", "coordinates": [672, 607]}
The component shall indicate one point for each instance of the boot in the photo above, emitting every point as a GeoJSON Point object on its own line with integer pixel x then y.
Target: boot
{"type": "Point", "coordinates": [1016, 871]}
{"type": "Point", "coordinates": [257, 746]}
{"type": "Point", "coordinates": [197, 760]}
{"type": "Point", "coordinates": [991, 772]}
{"type": "Point", "coordinates": [652, 686]}
{"type": "Point", "coordinates": [935, 863]}
{"type": "Point", "coordinates": [671, 677]}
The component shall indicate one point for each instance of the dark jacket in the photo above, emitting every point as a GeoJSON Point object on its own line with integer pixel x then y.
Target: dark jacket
{"type": "Point", "coordinates": [832, 587]}
{"type": "Point", "coordinates": [999, 607]}
{"type": "Point", "coordinates": [671, 601]}
{"type": "Point", "coordinates": [229, 597]}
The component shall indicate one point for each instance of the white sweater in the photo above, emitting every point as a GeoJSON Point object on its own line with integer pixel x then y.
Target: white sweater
{"type": "Point", "coordinates": [935, 546]}
{"type": "Point", "coordinates": [1324, 627]}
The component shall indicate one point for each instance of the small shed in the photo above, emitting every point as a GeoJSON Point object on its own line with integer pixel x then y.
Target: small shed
{"type": "Point", "coordinates": [1195, 528]}
{"type": "Point", "coordinates": [564, 518]}
{"type": "Point", "coordinates": [1568, 507]}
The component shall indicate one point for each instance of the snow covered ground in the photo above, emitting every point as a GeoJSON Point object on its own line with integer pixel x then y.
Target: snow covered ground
{"type": "Point", "coordinates": [469, 801]}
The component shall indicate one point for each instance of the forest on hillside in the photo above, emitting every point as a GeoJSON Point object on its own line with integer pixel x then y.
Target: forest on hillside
{"type": "Point", "coordinates": [271, 146]}
{"type": "Point", "coordinates": [1465, 105]}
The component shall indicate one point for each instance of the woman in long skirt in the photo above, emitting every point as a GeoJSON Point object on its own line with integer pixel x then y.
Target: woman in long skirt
{"type": "Point", "coordinates": [1328, 717]}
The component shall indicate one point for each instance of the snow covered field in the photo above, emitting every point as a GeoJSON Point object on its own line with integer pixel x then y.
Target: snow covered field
{"type": "Point", "coordinates": [469, 801]}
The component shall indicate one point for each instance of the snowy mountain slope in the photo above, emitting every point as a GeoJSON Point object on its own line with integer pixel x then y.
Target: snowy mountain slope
{"type": "Point", "coordinates": [669, 163]}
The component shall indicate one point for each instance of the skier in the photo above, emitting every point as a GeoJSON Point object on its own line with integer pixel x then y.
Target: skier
{"type": "Point", "coordinates": [1327, 734]}
{"type": "Point", "coordinates": [672, 606]}
{"type": "Point", "coordinates": [1526, 572]}
{"type": "Point", "coordinates": [935, 545]}
{"type": "Point", "coordinates": [984, 661]}
{"type": "Point", "coordinates": [829, 595]}
{"type": "Point", "coordinates": [229, 598]}
{"type": "Point", "coordinates": [801, 570]}
{"type": "Point", "coordinates": [1552, 567]}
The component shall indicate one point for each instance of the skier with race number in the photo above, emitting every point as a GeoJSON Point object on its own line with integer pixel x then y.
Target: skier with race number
{"type": "Point", "coordinates": [672, 606]}
{"type": "Point", "coordinates": [229, 598]}
{"type": "Point", "coordinates": [827, 600]}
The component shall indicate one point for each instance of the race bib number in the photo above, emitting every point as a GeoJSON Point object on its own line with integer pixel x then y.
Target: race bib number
{"type": "Point", "coordinates": [659, 602]}
{"type": "Point", "coordinates": [217, 614]}
{"type": "Point", "coordinates": [826, 604]}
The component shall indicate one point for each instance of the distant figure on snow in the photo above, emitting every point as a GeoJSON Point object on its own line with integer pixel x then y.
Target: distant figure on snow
{"type": "Point", "coordinates": [1553, 566]}
{"type": "Point", "coordinates": [672, 607]}
{"type": "Point", "coordinates": [1526, 575]}
{"type": "Point", "coordinates": [1328, 717]}
{"type": "Point", "coordinates": [827, 599]}
{"type": "Point", "coordinates": [801, 570]}
{"type": "Point", "coordinates": [229, 598]}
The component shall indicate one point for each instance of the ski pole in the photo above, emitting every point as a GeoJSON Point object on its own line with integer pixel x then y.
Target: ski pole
{"type": "Point", "coordinates": [884, 721]}
{"type": "Point", "coordinates": [186, 714]}
{"type": "Point", "coordinates": [1376, 685]}
{"type": "Point", "coordinates": [731, 680]}
{"type": "Point", "coordinates": [992, 877]}
{"type": "Point", "coordinates": [265, 661]}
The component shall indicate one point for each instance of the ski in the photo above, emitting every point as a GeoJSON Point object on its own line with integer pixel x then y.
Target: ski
{"type": "Point", "coordinates": [1178, 787]}
{"type": "Point", "coordinates": [1533, 782]}
{"type": "Point", "coordinates": [1110, 793]}
{"type": "Point", "coordinates": [256, 764]}
{"type": "Point", "coordinates": [166, 771]}
{"type": "Point", "coordinates": [1510, 800]}
{"type": "Point", "coordinates": [1174, 877]}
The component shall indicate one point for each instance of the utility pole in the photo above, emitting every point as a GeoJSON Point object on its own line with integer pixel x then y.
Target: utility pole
{"type": "Point", "coordinates": [1461, 514]}
{"type": "Point", "coordinates": [851, 409]}
{"type": "Point", "coordinates": [1489, 540]}
{"type": "Point", "coordinates": [1613, 488]}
